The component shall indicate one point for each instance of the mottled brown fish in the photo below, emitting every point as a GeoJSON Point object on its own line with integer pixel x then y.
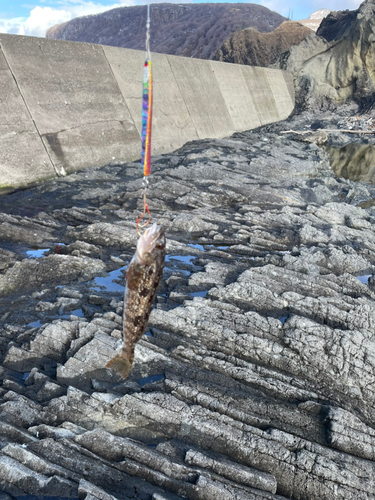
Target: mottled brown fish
{"type": "Point", "coordinates": [142, 280]}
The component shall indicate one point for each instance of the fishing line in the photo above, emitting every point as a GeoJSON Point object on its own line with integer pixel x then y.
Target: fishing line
{"type": "Point", "coordinates": [146, 124]}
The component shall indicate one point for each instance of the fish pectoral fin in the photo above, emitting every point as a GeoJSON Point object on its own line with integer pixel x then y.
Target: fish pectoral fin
{"type": "Point", "coordinates": [121, 365]}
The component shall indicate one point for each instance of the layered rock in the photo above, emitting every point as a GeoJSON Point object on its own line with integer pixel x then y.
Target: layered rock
{"type": "Point", "coordinates": [255, 379]}
{"type": "Point", "coordinates": [338, 64]}
{"type": "Point", "coordinates": [261, 49]}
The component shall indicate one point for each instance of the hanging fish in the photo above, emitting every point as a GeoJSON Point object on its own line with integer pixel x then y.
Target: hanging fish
{"type": "Point", "coordinates": [142, 280]}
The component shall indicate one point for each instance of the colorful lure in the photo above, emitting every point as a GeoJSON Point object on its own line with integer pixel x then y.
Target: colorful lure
{"type": "Point", "coordinates": [146, 117]}
{"type": "Point", "coordinates": [146, 124]}
{"type": "Point", "coordinates": [147, 104]}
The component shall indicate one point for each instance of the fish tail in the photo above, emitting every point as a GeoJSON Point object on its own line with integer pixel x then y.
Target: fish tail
{"type": "Point", "coordinates": [121, 365]}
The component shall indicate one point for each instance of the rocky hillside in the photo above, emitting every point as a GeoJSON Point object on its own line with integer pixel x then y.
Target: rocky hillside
{"type": "Point", "coordinates": [191, 30]}
{"type": "Point", "coordinates": [253, 48]}
{"type": "Point", "coordinates": [338, 63]}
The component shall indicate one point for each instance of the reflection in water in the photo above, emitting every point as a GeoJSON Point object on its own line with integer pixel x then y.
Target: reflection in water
{"type": "Point", "coordinates": [109, 283]}
{"type": "Point", "coordinates": [150, 379]}
{"type": "Point", "coordinates": [203, 293]}
{"type": "Point", "coordinates": [36, 252]}
{"type": "Point", "coordinates": [353, 161]}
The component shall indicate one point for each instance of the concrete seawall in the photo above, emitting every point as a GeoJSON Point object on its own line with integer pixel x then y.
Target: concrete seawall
{"type": "Point", "coordinates": [65, 106]}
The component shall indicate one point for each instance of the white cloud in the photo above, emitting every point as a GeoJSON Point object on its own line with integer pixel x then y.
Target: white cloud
{"type": "Point", "coordinates": [11, 25]}
{"type": "Point", "coordinates": [42, 18]}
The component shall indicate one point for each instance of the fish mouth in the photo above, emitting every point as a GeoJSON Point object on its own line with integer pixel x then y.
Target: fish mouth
{"type": "Point", "coordinates": [152, 237]}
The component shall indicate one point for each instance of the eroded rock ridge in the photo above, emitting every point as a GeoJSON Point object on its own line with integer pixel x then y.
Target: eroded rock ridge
{"type": "Point", "coordinates": [256, 377]}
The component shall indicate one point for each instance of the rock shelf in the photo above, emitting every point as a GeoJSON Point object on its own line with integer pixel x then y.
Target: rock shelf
{"type": "Point", "coordinates": [256, 377]}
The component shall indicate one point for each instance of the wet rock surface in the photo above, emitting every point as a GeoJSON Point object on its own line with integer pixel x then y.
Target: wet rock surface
{"type": "Point", "coordinates": [256, 376]}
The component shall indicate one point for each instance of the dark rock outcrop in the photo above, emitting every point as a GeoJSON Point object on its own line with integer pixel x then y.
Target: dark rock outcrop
{"type": "Point", "coordinates": [191, 30]}
{"type": "Point", "coordinates": [338, 64]}
{"type": "Point", "coordinates": [261, 49]}
{"type": "Point", "coordinates": [337, 24]}
{"type": "Point", "coordinates": [256, 377]}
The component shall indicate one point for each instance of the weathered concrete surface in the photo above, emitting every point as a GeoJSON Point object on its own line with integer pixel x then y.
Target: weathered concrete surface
{"type": "Point", "coordinates": [282, 89]}
{"type": "Point", "coordinates": [261, 92]}
{"type": "Point", "coordinates": [201, 93]}
{"type": "Point", "coordinates": [172, 122]}
{"type": "Point", "coordinates": [240, 103]}
{"type": "Point", "coordinates": [23, 158]}
{"type": "Point", "coordinates": [80, 104]}
{"type": "Point", "coordinates": [74, 101]}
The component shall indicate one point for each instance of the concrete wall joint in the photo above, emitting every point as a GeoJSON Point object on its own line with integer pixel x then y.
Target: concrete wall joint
{"type": "Point", "coordinates": [27, 108]}
{"type": "Point", "coordinates": [81, 104]}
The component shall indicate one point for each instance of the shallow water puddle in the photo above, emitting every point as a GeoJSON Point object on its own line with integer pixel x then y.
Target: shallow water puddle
{"type": "Point", "coordinates": [150, 379]}
{"type": "Point", "coordinates": [203, 293]}
{"type": "Point", "coordinates": [186, 259]}
{"type": "Point", "coordinates": [35, 324]}
{"type": "Point", "coordinates": [198, 247]}
{"type": "Point", "coordinates": [353, 161]}
{"type": "Point", "coordinates": [36, 253]}
{"type": "Point", "coordinates": [364, 279]}
{"type": "Point", "coordinates": [76, 312]}
{"type": "Point", "coordinates": [107, 282]}
{"type": "Point", "coordinates": [283, 319]}
{"type": "Point", "coordinates": [177, 263]}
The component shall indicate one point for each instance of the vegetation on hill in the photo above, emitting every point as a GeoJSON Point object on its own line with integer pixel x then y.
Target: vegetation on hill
{"type": "Point", "coordinates": [191, 30]}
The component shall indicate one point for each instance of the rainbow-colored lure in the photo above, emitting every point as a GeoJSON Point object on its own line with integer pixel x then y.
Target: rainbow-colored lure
{"type": "Point", "coordinates": [146, 117]}
{"type": "Point", "coordinates": [146, 125]}
{"type": "Point", "coordinates": [147, 104]}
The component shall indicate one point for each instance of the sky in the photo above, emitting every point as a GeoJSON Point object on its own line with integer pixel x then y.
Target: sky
{"type": "Point", "coordinates": [34, 17]}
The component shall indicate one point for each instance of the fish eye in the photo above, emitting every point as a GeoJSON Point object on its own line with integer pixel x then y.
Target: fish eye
{"type": "Point", "coordinates": [160, 246]}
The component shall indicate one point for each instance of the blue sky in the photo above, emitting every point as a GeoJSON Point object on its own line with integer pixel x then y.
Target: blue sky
{"type": "Point", "coordinates": [34, 17]}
